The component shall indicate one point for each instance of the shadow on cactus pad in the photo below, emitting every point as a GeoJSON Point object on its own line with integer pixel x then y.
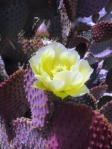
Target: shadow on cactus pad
{"type": "Point", "coordinates": [13, 102]}
{"type": "Point", "coordinates": [74, 126]}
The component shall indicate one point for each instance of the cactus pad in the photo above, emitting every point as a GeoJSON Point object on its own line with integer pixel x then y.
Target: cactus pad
{"type": "Point", "coordinates": [78, 127]}
{"type": "Point", "coordinates": [107, 111]}
{"type": "Point", "coordinates": [71, 8]}
{"type": "Point", "coordinates": [27, 136]}
{"type": "Point", "coordinates": [37, 99]}
{"type": "Point", "coordinates": [13, 18]}
{"type": "Point", "coordinates": [102, 31]}
{"type": "Point", "coordinates": [87, 8]}
{"type": "Point", "coordinates": [13, 102]}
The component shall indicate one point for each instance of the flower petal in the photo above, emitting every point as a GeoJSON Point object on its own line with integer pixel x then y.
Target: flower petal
{"type": "Point", "coordinates": [61, 94]}
{"type": "Point", "coordinates": [75, 67]}
{"type": "Point", "coordinates": [85, 70]}
{"type": "Point", "coordinates": [69, 58]}
{"type": "Point", "coordinates": [78, 92]}
{"type": "Point", "coordinates": [71, 79]}
{"type": "Point", "coordinates": [35, 64]}
{"type": "Point", "coordinates": [39, 84]}
{"type": "Point", "coordinates": [48, 60]}
{"type": "Point", "coordinates": [44, 81]}
{"type": "Point", "coordinates": [56, 85]}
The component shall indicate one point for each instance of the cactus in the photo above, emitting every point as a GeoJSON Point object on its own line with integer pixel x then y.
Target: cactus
{"type": "Point", "coordinates": [44, 8]}
{"type": "Point", "coordinates": [102, 31]}
{"type": "Point", "coordinates": [86, 8]}
{"type": "Point", "coordinates": [80, 122]}
{"type": "Point", "coordinates": [101, 49]}
{"type": "Point", "coordinates": [98, 91]}
{"type": "Point", "coordinates": [4, 140]}
{"type": "Point", "coordinates": [27, 135]}
{"type": "Point", "coordinates": [109, 79]}
{"type": "Point", "coordinates": [107, 111]}
{"type": "Point", "coordinates": [33, 118]}
{"type": "Point", "coordinates": [38, 100]}
{"type": "Point", "coordinates": [80, 43]}
{"type": "Point", "coordinates": [60, 25]}
{"type": "Point", "coordinates": [9, 14]}
{"type": "Point", "coordinates": [3, 74]}
{"type": "Point", "coordinates": [12, 97]}
{"type": "Point", "coordinates": [71, 8]}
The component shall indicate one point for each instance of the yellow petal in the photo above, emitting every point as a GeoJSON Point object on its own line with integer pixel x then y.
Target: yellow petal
{"type": "Point", "coordinates": [61, 94]}
{"type": "Point", "coordinates": [48, 60]}
{"type": "Point", "coordinates": [44, 81]}
{"type": "Point", "coordinates": [85, 70]}
{"type": "Point", "coordinates": [71, 79]}
{"type": "Point", "coordinates": [58, 48]}
{"type": "Point", "coordinates": [69, 58]}
{"type": "Point", "coordinates": [75, 67]}
{"type": "Point", "coordinates": [39, 84]}
{"type": "Point", "coordinates": [56, 85]}
{"type": "Point", "coordinates": [35, 64]}
{"type": "Point", "coordinates": [78, 92]}
{"type": "Point", "coordinates": [63, 56]}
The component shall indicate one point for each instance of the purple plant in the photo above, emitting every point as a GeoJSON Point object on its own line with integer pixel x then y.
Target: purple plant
{"type": "Point", "coordinates": [4, 141]}
{"type": "Point", "coordinates": [38, 100]}
{"type": "Point", "coordinates": [31, 118]}
{"type": "Point", "coordinates": [27, 135]}
{"type": "Point", "coordinates": [80, 123]}
{"type": "Point", "coordinates": [107, 110]}
{"type": "Point", "coordinates": [12, 97]}
{"type": "Point", "coordinates": [102, 31]}
{"type": "Point", "coordinates": [85, 8]}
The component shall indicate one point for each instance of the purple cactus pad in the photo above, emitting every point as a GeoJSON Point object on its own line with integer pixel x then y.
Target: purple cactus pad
{"type": "Point", "coordinates": [79, 127]}
{"type": "Point", "coordinates": [27, 136]}
{"type": "Point", "coordinates": [87, 8]}
{"type": "Point", "coordinates": [13, 102]}
{"type": "Point", "coordinates": [38, 100]}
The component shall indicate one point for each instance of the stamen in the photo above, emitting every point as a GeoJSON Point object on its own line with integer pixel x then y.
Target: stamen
{"type": "Point", "coordinates": [59, 68]}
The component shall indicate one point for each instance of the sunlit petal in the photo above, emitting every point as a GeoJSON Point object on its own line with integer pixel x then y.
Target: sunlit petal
{"type": "Point", "coordinates": [85, 70]}
{"type": "Point", "coordinates": [71, 79]}
{"type": "Point", "coordinates": [78, 92]}
{"type": "Point", "coordinates": [56, 85]}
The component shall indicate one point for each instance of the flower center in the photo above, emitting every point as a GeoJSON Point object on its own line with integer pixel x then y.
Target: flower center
{"type": "Point", "coordinates": [59, 68]}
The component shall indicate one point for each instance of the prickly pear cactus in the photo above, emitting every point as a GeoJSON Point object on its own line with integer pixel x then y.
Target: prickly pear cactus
{"type": "Point", "coordinates": [34, 111]}
{"type": "Point", "coordinates": [13, 17]}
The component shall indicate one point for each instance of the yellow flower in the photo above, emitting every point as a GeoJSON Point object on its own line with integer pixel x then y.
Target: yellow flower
{"type": "Point", "coordinates": [60, 70]}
